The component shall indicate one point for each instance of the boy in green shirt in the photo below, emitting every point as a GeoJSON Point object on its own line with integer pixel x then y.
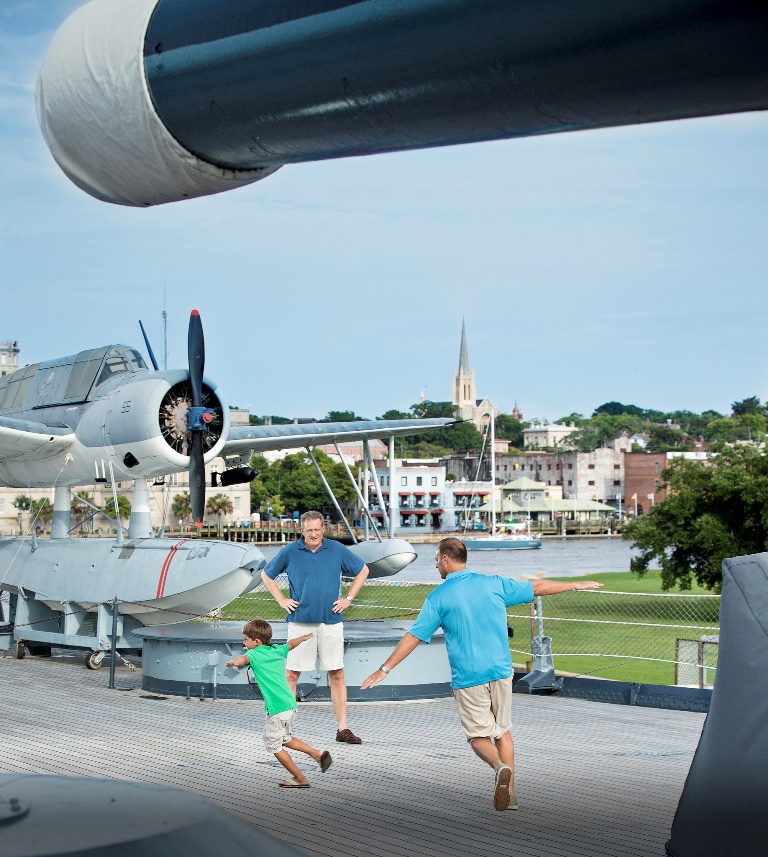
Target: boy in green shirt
{"type": "Point", "coordinates": [268, 664]}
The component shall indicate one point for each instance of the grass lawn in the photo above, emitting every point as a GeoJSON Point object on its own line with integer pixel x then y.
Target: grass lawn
{"type": "Point", "coordinates": [690, 618]}
{"type": "Point", "coordinates": [581, 624]}
{"type": "Point", "coordinates": [626, 581]}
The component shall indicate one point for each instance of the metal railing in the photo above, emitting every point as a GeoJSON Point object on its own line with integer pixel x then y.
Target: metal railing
{"type": "Point", "coordinates": [653, 638]}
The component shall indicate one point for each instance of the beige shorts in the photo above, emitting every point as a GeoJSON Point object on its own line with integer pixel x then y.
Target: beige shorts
{"type": "Point", "coordinates": [327, 645]}
{"type": "Point", "coordinates": [485, 710]}
{"type": "Point", "coordinates": [277, 730]}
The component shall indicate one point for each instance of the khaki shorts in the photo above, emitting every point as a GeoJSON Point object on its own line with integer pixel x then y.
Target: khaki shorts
{"type": "Point", "coordinates": [277, 730]}
{"type": "Point", "coordinates": [485, 710]}
{"type": "Point", "coordinates": [328, 644]}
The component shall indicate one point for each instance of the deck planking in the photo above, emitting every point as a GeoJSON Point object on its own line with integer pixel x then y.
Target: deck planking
{"type": "Point", "coordinates": [592, 778]}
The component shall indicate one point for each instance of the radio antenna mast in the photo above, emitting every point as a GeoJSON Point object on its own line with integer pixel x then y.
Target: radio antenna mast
{"type": "Point", "coordinates": [165, 331]}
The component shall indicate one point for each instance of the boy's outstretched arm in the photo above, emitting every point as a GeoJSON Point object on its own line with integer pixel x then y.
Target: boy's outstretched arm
{"type": "Point", "coordinates": [298, 640]}
{"type": "Point", "coordinates": [240, 661]}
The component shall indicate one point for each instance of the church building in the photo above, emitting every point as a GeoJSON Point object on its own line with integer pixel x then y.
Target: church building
{"type": "Point", "coordinates": [468, 406]}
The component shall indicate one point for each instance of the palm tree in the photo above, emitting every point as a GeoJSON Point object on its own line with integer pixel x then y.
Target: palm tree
{"type": "Point", "coordinates": [23, 504]}
{"type": "Point", "coordinates": [219, 505]}
{"type": "Point", "coordinates": [181, 507]}
{"type": "Point", "coordinates": [42, 512]}
{"type": "Point", "coordinates": [80, 505]}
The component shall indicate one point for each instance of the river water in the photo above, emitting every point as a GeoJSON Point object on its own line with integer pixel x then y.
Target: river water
{"type": "Point", "coordinates": [555, 558]}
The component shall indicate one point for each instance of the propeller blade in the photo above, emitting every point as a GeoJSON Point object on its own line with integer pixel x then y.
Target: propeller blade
{"type": "Point", "coordinates": [196, 356]}
{"type": "Point", "coordinates": [197, 478]}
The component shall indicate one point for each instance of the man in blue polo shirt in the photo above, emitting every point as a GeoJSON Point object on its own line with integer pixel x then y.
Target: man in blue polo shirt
{"type": "Point", "coordinates": [314, 566]}
{"type": "Point", "coordinates": [472, 611]}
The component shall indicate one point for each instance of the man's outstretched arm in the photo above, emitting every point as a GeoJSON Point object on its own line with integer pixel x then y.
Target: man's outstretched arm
{"type": "Point", "coordinates": [552, 587]}
{"type": "Point", "coordinates": [401, 651]}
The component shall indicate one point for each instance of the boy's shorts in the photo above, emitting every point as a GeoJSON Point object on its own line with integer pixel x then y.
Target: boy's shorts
{"type": "Point", "coordinates": [485, 710]}
{"type": "Point", "coordinates": [277, 730]}
{"type": "Point", "coordinates": [328, 643]}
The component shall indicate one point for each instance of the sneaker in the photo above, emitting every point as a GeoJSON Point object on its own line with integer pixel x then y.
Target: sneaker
{"type": "Point", "coordinates": [501, 793]}
{"type": "Point", "coordinates": [514, 803]}
{"type": "Point", "coordinates": [346, 736]}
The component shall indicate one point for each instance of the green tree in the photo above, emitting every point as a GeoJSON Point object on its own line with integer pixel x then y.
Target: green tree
{"type": "Point", "coordinates": [42, 512]}
{"type": "Point", "coordinates": [600, 428]}
{"type": "Point", "coordinates": [747, 406]}
{"type": "Point", "coordinates": [219, 504]}
{"type": "Point", "coordinates": [394, 415]}
{"type": "Point", "coordinates": [23, 504]}
{"type": "Point", "coordinates": [341, 417]}
{"type": "Point", "coordinates": [181, 507]}
{"type": "Point", "coordinates": [298, 485]}
{"type": "Point", "coordinates": [123, 506]}
{"type": "Point", "coordinates": [713, 510]}
{"type": "Point", "coordinates": [511, 429]}
{"type": "Point", "coordinates": [614, 409]}
{"type": "Point", "coordinates": [663, 438]}
{"type": "Point", "coordinates": [80, 507]}
{"type": "Point", "coordinates": [579, 420]}
{"type": "Point", "coordinates": [428, 410]}
{"type": "Point", "coordinates": [258, 487]}
{"type": "Point", "coordinates": [730, 429]}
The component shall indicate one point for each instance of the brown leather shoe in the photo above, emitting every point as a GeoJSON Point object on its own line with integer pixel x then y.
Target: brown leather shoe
{"type": "Point", "coordinates": [346, 736]}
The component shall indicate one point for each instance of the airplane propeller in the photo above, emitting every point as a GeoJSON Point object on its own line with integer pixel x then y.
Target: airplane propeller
{"type": "Point", "coordinates": [199, 417]}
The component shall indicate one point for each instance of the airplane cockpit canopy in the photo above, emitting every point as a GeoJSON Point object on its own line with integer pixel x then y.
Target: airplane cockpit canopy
{"type": "Point", "coordinates": [69, 379]}
{"type": "Point", "coordinates": [92, 368]}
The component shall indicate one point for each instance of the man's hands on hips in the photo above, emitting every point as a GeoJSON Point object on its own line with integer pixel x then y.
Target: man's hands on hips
{"type": "Point", "coordinates": [288, 604]}
{"type": "Point", "coordinates": [341, 604]}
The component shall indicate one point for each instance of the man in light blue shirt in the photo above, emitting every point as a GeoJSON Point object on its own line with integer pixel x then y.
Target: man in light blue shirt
{"type": "Point", "coordinates": [472, 611]}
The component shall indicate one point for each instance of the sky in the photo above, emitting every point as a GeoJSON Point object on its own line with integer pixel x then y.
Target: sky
{"type": "Point", "coordinates": [623, 264]}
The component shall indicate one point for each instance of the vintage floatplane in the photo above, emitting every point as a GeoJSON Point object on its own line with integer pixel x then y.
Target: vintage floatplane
{"type": "Point", "coordinates": [103, 415]}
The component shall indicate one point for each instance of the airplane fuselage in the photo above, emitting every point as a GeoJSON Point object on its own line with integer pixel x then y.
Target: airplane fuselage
{"type": "Point", "coordinates": [65, 421]}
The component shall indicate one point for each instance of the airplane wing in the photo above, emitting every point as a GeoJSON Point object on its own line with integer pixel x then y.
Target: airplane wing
{"type": "Point", "coordinates": [22, 437]}
{"type": "Point", "coordinates": [243, 439]}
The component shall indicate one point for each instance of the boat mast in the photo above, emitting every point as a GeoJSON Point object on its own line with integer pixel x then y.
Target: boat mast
{"type": "Point", "coordinates": [493, 476]}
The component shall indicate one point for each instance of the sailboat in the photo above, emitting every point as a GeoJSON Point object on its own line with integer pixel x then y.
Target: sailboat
{"type": "Point", "coordinates": [514, 540]}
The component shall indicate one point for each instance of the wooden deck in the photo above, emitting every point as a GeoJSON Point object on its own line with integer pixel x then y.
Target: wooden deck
{"type": "Point", "coordinates": [593, 779]}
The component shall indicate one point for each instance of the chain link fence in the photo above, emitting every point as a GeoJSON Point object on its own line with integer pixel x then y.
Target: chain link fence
{"type": "Point", "coordinates": [666, 638]}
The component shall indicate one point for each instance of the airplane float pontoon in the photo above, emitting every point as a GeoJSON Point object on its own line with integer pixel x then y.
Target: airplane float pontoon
{"type": "Point", "coordinates": [103, 415]}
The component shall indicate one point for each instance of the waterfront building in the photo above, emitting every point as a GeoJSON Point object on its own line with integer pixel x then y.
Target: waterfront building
{"type": "Point", "coordinates": [425, 502]}
{"type": "Point", "coordinates": [524, 498]}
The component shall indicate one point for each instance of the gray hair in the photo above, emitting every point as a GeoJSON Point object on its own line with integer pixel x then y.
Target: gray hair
{"type": "Point", "coordinates": [310, 516]}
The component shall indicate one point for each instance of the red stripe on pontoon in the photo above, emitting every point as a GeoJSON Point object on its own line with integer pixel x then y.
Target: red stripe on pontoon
{"type": "Point", "coordinates": [166, 566]}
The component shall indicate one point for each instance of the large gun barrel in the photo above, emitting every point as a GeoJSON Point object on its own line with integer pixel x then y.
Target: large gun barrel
{"type": "Point", "coordinates": [147, 101]}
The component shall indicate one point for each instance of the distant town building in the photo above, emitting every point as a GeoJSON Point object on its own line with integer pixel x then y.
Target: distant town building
{"type": "Point", "coordinates": [546, 436]}
{"type": "Point", "coordinates": [468, 406]}
{"type": "Point", "coordinates": [643, 478]}
{"type": "Point", "coordinates": [597, 475]}
{"type": "Point", "coordinates": [9, 357]}
{"type": "Point", "coordinates": [239, 417]}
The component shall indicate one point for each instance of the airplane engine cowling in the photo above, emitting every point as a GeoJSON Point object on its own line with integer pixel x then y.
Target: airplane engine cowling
{"type": "Point", "coordinates": [143, 426]}
{"type": "Point", "coordinates": [99, 121]}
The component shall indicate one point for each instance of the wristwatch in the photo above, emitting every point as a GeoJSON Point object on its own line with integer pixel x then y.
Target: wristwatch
{"type": "Point", "coordinates": [385, 670]}
{"type": "Point", "coordinates": [349, 598]}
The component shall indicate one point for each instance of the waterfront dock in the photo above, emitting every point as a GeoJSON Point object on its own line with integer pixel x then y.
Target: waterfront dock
{"type": "Point", "coordinates": [592, 778]}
